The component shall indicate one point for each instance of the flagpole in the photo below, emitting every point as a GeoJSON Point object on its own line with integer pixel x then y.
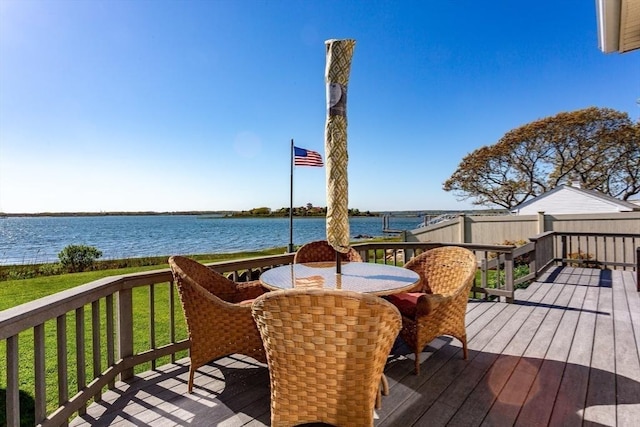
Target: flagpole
{"type": "Point", "coordinates": [291, 204]}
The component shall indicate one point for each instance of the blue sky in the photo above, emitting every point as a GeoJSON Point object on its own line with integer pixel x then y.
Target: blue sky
{"type": "Point", "coordinates": [191, 105]}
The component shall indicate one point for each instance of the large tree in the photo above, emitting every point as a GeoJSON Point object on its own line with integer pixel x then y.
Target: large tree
{"type": "Point", "coordinates": [599, 147]}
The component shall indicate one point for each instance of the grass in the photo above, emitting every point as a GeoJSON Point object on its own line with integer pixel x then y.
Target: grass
{"type": "Point", "coordinates": [18, 291]}
{"type": "Point", "coordinates": [30, 271]}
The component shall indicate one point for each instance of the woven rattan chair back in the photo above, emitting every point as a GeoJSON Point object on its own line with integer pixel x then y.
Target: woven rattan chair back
{"type": "Point", "coordinates": [321, 250]}
{"type": "Point", "coordinates": [443, 270]}
{"type": "Point", "coordinates": [326, 352]}
{"type": "Point", "coordinates": [446, 277]}
{"type": "Point", "coordinates": [217, 326]}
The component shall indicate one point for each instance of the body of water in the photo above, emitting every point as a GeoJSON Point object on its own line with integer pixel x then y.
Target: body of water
{"type": "Point", "coordinates": [35, 240]}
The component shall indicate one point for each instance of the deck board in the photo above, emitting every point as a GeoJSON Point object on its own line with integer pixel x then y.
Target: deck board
{"type": "Point", "coordinates": [564, 354]}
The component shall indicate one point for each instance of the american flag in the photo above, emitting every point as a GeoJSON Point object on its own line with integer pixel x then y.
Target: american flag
{"type": "Point", "coordinates": [304, 157]}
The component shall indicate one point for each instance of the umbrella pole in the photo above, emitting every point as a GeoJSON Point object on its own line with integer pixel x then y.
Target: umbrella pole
{"type": "Point", "coordinates": [338, 263]}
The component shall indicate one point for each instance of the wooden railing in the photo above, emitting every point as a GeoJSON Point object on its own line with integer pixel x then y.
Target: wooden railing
{"type": "Point", "coordinates": [110, 347]}
{"type": "Point", "coordinates": [495, 262]}
{"type": "Point", "coordinates": [611, 251]}
{"type": "Point", "coordinates": [94, 323]}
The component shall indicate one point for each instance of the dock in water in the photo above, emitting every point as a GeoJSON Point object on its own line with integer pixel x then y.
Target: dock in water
{"type": "Point", "coordinates": [385, 226]}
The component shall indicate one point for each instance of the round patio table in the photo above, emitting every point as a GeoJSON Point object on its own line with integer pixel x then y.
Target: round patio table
{"type": "Point", "coordinates": [365, 277]}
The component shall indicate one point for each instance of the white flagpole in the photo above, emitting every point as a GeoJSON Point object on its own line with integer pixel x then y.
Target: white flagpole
{"type": "Point", "coordinates": [291, 204]}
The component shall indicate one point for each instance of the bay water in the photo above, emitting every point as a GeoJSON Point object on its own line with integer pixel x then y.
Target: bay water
{"type": "Point", "coordinates": [35, 240]}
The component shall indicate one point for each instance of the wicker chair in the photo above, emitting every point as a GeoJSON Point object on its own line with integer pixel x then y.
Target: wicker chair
{"type": "Point", "coordinates": [321, 250]}
{"type": "Point", "coordinates": [439, 305]}
{"type": "Point", "coordinates": [326, 352]}
{"type": "Point", "coordinates": [218, 314]}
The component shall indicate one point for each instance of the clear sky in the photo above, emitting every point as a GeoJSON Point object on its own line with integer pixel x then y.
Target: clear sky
{"type": "Point", "coordinates": [141, 105]}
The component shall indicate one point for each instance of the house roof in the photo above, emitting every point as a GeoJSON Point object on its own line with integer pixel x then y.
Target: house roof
{"type": "Point", "coordinates": [589, 193]}
{"type": "Point", "coordinates": [618, 25]}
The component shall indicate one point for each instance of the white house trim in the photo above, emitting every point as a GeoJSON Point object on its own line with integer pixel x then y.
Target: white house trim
{"type": "Point", "coordinates": [618, 25]}
{"type": "Point", "coordinates": [565, 199]}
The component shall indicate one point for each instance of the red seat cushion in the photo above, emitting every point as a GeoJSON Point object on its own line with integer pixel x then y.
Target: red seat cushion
{"type": "Point", "coordinates": [406, 302]}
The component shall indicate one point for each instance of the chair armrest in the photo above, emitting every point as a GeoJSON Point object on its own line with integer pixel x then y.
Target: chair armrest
{"type": "Point", "coordinates": [428, 303]}
{"type": "Point", "coordinates": [216, 301]}
{"type": "Point", "coordinates": [249, 290]}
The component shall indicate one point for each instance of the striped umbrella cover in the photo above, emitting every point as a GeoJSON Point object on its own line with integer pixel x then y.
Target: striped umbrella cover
{"type": "Point", "coordinates": [339, 53]}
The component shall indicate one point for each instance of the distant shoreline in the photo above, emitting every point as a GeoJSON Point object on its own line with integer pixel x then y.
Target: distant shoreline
{"type": "Point", "coordinates": [141, 213]}
{"type": "Point", "coordinates": [235, 214]}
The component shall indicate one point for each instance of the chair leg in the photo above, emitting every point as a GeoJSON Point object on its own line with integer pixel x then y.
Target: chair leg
{"type": "Point", "coordinates": [385, 385]}
{"type": "Point", "coordinates": [190, 384]}
{"type": "Point", "coordinates": [465, 351]}
{"type": "Point", "coordinates": [417, 363]}
{"type": "Point", "coordinates": [383, 390]}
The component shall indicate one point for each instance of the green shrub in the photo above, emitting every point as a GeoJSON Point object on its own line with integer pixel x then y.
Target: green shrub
{"type": "Point", "coordinates": [521, 271]}
{"type": "Point", "coordinates": [76, 258]}
{"type": "Point", "coordinates": [25, 272]}
{"type": "Point", "coordinates": [48, 270]}
{"type": "Point", "coordinates": [498, 280]}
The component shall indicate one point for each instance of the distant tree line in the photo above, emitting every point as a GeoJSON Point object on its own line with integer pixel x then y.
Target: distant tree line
{"type": "Point", "coordinates": [308, 210]}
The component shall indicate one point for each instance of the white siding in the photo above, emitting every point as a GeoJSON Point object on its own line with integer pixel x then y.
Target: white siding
{"type": "Point", "coordinates": [568, 201]}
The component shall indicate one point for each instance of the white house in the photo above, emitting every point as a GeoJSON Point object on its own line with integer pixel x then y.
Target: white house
{"type": "Point", "coordinates": [565, 199]}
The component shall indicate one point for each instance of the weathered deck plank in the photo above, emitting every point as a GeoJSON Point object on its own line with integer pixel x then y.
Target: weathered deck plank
{"type": "Point", "coordinates": [627, 360]}
{"type": "Point", "coordinates": [602, 386]}
{"type": "Point", "coordinates": [566, 353]}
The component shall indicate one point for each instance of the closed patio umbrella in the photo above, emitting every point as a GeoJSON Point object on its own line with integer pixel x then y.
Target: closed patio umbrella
{"type": "Point", "coordinates": [339, 53]}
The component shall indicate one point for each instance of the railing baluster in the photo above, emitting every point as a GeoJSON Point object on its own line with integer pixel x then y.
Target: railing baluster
{"type": "Point", "coordinates": [81, 363]}
{"type": "Point", "coordinates": [483, 275]}
{"type": "Point", "coordinates": [13, 393]}
{"type": "Point", "coordinates": [110, 335]}
{"type": "Point", "coordinates": [508, 274]}
{"type": "Point", "coordinates": [63, 378]}
{"type": "Point", "coordinates": [40, 373]}
{"type": "Point", "coordinates": [624, 249]}
{"type": "Point", "coordinates": [95, 343]}
{"type": "Point", "coordinates": [172, 319]}
{"type": "Point", "coordinates": [499, 284]}
{"type": "Point", "coordinates": [152, 321]}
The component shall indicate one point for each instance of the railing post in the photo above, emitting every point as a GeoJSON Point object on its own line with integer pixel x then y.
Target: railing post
{"type": "Point", "coordinates": [508, 274]}
{"type": "Point", "coordinates": [124, 318]}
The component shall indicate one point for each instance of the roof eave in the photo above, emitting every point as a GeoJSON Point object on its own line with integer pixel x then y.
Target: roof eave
{"type": "Point", "coordinates": [608, 16]}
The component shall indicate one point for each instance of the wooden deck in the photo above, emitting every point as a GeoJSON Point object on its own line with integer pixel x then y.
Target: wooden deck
{"type": "Point", "coordinates": [566, 353]}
